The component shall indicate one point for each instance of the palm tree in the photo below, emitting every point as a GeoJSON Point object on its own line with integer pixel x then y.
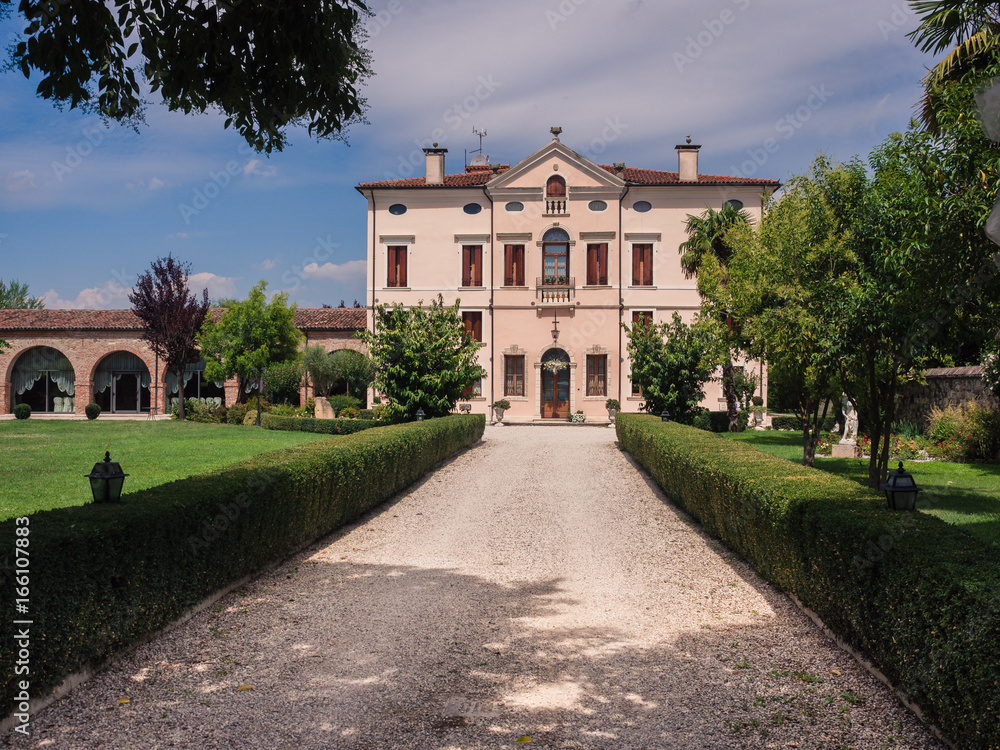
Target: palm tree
{"type": "Point", "coordinates": [707, 238]}
{"type": "Point", "coordinates": [968, 29]}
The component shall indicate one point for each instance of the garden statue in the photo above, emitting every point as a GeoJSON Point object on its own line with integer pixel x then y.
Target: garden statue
{"type": "Point", "coordinates": [850, 422]}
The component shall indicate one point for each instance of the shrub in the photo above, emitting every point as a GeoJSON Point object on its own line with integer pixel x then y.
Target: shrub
{"type": "Point", "coordinates": [250, 418]}
{"type": "Point", "coordinates": [343, 401]}
{"type": "Point", "coordinates": [114, 575]}
{"type": "Point", "coordinates": [309, 410]}
{"type": "Point", "coordinates": [284, 410]}
{"type": "Point", "coordinates": [612, 403]}
{"type": "Point", "coordinates": [719, 420]}
{"type": "Point", "coordinates": [303, 424]}
{"type": "Point", "coordinates": [93, 411]}
{"type": "Point", "coordinates": [906, 429]}
{"type": "Point", "coordinates": [199, 411]}
{"type": "Point", "coordinates": [702, 420]}
{"type": "Point", "coordinates": [982, 426]}
{"type": "Point", "coordinates": [970, 431]}
{"type": "Point", "coordinates": [944, 423]}
{"type": "Point", "coordinates": [785, 422]}
{"type": "Point", "coordinates": [915, 595]}
{"type": "Point", "coordinates": [501, 403]}
{"type": "Point", "coordinates": [367, 414]}
{"type": "Point", "coordinates": [282, 382]}
{"type": "Point", "coordinates": [351, 412]}
{"type": "Point", "coordinates": [757, 401]}
{"type": "Point", "coordinates": [22, 411]}
{"type": "Point", "coordinates": [251, 404]}
{"type": "Point", "coordinates": [236, 413]}
{"type": "Point", "coordinates": [380, 411]}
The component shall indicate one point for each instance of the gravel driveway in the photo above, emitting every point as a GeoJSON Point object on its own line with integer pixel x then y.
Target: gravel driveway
{"type": "Point", "coordinates": [538, 586]}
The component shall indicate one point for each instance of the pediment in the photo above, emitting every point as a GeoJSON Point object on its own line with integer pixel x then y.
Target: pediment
{"type": "Point", "coordinates": [532, 172]}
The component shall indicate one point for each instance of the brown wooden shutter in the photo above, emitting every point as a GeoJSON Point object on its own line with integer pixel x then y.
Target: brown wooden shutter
{"type": "Point", "coordinates": [391, 264]}
{"type": "Point", "coordinates": [518, 265]}
{"type": "Point", "coordinates": [466, 265]}
{"type": "Point", "coordinates": [602, 264]}
{"type": "Point", "coordinates": [401, 277]}
{"type": "Point", "coordinates": [591, 264]}
{"type": "Point", "coordinates": [477, 260]}
{"type": "Point", "coordinates": [508, 265]}
{"type": "Point", "coordinates": [477, 326]}
{"type": "Point", "coordinates": [636, 265]}
{"type": "Point", "coordinates": [647, 270]}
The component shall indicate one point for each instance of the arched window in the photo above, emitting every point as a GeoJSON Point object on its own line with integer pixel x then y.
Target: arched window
{"type": "Point", "coordinates": [121, 384]}
{"type": "Point", "coordinates": [555, 187]}
{"type": "Point", "coordinates": [44, 379]}
{"type": "Point", "coordinates": [555, 257]}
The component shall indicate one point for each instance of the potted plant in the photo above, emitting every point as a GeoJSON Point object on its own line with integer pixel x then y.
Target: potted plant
{"type": "Point", "coordinates": [499, 407]}
{"type": "Point", "coordinates": [579, 416]}
{"type": "Point", "coordinates": [757, 411]}
{"type": "Point", "coordinates": [612, 406]}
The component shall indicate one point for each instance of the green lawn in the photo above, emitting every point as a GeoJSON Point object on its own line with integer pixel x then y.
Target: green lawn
{"type": "Point", "coordinates": [43, 463]}
{"type": "Point", "coordinates": [966, 495]}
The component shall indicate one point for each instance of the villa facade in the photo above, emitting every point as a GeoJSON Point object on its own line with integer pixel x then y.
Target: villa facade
{"type": "Point", "coordinates": [548, 258]}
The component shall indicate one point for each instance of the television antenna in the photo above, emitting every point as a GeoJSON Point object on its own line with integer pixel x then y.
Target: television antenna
{"type": "Point", "coordinates": [480, 159]}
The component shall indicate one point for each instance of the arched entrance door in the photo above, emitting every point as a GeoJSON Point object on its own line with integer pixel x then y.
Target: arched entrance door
{"type": "Point", "coordinates": [121, 384]}
{"type": "Point", "coordinates": [44, 379]}
{"type": "Point", "coordinates": [555, 384]}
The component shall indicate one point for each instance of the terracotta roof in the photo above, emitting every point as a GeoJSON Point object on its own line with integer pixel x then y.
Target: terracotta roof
{"type": "Point", "coordinates": [307, 319]}
{"type": "Point", "coordinates": [468, 179]}
{"type": "Point", "coordinates": [972, 371]}
{"type": "Point", "coordinates": [480, 175]}
{"type": "Point", "coordinates": [656, 177]}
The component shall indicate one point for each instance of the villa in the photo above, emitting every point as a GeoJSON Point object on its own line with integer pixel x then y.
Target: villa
{"type": "Point", "coordinates": [548, 258]}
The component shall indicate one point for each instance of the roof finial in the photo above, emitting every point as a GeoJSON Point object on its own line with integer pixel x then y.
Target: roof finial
{"type": "Point", "coordinates": [555, 130]}
{"type": "Point", "coordinates": [689, 139]}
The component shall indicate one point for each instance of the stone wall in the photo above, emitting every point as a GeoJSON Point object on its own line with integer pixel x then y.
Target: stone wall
{"type": "Point", "coordinates": [946, 386]}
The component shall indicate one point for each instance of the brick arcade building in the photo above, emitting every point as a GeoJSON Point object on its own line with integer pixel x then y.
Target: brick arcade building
{"type": "Point", "coordinates": [62, 360]}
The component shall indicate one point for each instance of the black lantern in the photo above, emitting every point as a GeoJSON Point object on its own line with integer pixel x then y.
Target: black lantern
{"type": "Point", "coordinates": [106, 480]}
{"type": "Point", "coordinates": [900, 490]}
{"type": "Point", "coordinates": [665, 415]}
{"type": "Point", "coordinates": [420, 415]}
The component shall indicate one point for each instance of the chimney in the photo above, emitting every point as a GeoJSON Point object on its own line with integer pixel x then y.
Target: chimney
{"type": "Point", "coordinates": [435, 165]}
{"type": "Point", "coordinates": [687, 161]}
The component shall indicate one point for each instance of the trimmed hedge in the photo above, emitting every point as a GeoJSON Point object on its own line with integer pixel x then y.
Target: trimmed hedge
{"type": "Point", "coordinates": [917, 596]}
{"type": "Point", "coordinates": [106, 576]}
{"type": "Point", "coordinates": [795, 423]}
{"type": "Point", "coordinates": [327, 426]}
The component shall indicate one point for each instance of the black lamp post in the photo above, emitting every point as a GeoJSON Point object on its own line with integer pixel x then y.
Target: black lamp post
{"type": "Point", "coordinates": [106, 480]}
{"type": "Point", "coordinates": [900, 490]}
{"type": "Point", "coordinates": [665, 415]}
{"type": "Point", "coordinates": [259, 396]}
{"type": "Point", "coordinates": [420, 415]}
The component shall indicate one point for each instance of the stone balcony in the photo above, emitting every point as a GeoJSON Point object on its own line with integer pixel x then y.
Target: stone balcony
{"type": "Point", "coordinates": [555, 291]}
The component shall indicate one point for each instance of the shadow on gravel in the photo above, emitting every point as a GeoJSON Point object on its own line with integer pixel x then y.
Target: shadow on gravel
{"type": "Point", "coordinates": [404, 657]}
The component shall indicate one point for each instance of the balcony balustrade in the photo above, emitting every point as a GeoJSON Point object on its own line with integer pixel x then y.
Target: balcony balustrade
{"type": "Point", "coordinates": [555, 290]}
{"type": "Point", "coordinates": [555, 207]}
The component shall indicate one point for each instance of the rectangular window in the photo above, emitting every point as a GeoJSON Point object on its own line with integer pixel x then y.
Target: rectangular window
{"type": "Point", "coordinates": [513, 376]}
{"type": "Point", "coordinates": [474, 389]}
{"type": "Point", "coordinates": [397, 265]}
{"type": "Point", "coordinates": [642, 316]}
{"type": "Point", "coordinates": [472, 265]}
{"type": "Point", "coordinates": [513, 265]}
{"type": "Point", "coordinates": [473, 325]}
{"type": "Point", "coordinates": [642, 265]}
{"type": "Point", "coordinates": [597, 365]}
{"type": "Point", "coordinates": [597, 264]}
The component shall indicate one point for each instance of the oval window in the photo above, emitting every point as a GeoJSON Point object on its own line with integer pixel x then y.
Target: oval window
{"type": "Point", "coordinates": [642, 206]}
{"type": "Point", "coordinates": [397, 209]}
{"type": "Point", "coordinates": [514, 206]}
{"type": "Point", "coordinates": [738, 205]}
{"type": "Point", "coordinates": [472, 208]}
{"type": "Point", "coordinates": [597, 206]}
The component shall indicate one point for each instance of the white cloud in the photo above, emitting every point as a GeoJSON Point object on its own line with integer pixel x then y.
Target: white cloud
{"type": "Point", "coordinates": [218, 286]}
{"type": "Point", "coordinates": [110, 295]}
{"type": "Point", "coordinates": [253, 167]}
{"type": "Point", "coordinates": [352, 270]}
{"type": "Point", "coordinates": [268, 263]}
{"type": "Point", "coordinates": [156, 183]}
{"type": "Point", "coordinates": [18, 182]}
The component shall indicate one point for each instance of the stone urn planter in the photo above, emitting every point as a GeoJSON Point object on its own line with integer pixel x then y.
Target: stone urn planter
{"type": "Point", "coordinates": [499, 407]}
{"type": "Point", "coordinates": [612, 406]}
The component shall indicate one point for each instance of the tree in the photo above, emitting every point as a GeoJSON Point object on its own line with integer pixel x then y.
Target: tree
{"type": "Point", "coordinates": [249, 336]}
{"type": "Point", "coordinates": [785, 275]}
{"type": "Point", "coordinates": [969, 30]}
{"type": "Point", "coordinates": [352, 369]}
{"type": "Point", "coordinates": [265, 65]}
{"type": "Point", "coordinates": [320, 368]}
{"type": "Point", "coordinates": [14, 296]}
{"type": "Point", "coordinates": [670, 365]}
{"type": "Point", "coordinates": [423, 358]}
{"type": "Point", "coordinates": [171, 317]}
{"type": "Point", "coordinates": [281, 381]}
{"type": "Point", "coordinates": [706, 254]}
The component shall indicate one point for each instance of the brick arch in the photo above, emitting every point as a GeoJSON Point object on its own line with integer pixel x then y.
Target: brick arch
{"type": "Point", "coordinates": [130, 349]}
{"type": "Point", "coordinates": [19, 348]}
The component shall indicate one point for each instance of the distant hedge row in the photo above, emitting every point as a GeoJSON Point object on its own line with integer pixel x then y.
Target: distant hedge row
{"type": "Point", "coordinates": [916, 595]}
{"type": "Point", "coordinates": [103, 577]}
{"type": "Point", "coordinates": [329, 426]}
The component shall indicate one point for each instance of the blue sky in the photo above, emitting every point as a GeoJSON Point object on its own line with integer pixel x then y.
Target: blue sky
{"type": "Point", "coordinates": [763, 85]}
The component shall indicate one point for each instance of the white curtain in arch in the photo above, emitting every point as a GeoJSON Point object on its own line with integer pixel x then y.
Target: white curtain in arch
{"type": "Point", "coordinates": [38, 362]}
{"type": "Point", "coordinates": [189, 372]}
{"type": "Point", "coordinates": [119, 362]}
